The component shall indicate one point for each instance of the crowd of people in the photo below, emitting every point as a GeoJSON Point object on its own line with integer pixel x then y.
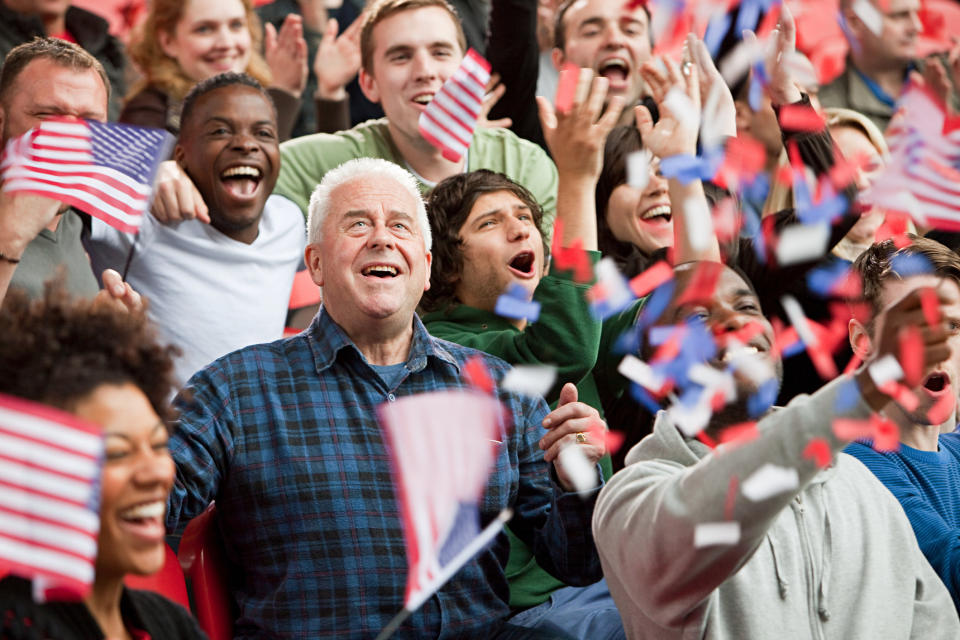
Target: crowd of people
{"type": "Point", "coordinates": [755, 359]}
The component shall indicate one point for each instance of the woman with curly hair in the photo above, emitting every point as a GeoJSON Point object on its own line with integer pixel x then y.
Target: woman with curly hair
{"type": "Point", "coordinates": [183, 42]}
{"type": "Point", "coordinates": [104, 365]}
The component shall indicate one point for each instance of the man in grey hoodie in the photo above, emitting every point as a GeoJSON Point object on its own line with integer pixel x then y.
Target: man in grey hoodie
{"type": "Point", "coordinates": [777, 535]}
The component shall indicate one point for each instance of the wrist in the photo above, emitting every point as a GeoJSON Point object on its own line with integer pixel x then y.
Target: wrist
{"type": "Point", "coordinates": [336, 93]}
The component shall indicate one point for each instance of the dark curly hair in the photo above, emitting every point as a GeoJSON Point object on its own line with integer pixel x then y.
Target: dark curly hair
{"type": "Point", "coordinates": [57, 350]}
{"type": "Point", "coordinates": [225, 79]}
{"type": "Point", "coordinates": [448, 207]}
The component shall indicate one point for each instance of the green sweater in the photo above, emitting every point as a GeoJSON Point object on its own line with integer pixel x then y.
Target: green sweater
{"type": "Point", "coordinates": [305, 160]}
{"type": "Point", "coordinates": [566, 335]}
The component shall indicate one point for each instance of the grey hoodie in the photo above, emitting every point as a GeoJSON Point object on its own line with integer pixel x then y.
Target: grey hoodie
{"type": "Point", "coordinates": [833, 559]}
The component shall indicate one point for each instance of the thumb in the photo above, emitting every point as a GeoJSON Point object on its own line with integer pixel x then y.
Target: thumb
{"type": "Point", "coordinates": [643, 119]}
{"type": "Point", "coordinates": [568, 394]}
{"type": "Point", "coordinates": [548, 118]}
{"type": "Point", "coordinates": [332, 28]}
{"type": "Point", "coordinates": [113, 283]}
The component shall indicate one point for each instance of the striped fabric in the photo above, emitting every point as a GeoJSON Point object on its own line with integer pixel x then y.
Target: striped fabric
{"type": "Point", "coordinates": [449, 120]}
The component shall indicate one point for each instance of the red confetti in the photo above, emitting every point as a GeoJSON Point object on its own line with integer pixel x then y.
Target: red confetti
{"type": "Point", "coordinates": [800, 117]}
{"type": "Point", "coordinates": [476, 374]}
{"type": "Point", "coordinates": [942, 409]}
{"type": "Point", "coordinates": [900, 394]}
{"type": "Point", "coordinates": [854, 363]}
{"type": "Point", "coordinates": [886, 434]}
{"type": "Point", "coordinates": [597, 292]}
{"type": "Point", "coordinates": [740, 433]}
{"type": "Point", "coordinates": [570, 258]}
{"type": "Point", "coordinates": [911, 355]}
{"type": "Point", "coordinates": [718, 401]}
{"type": "Point", "coordinates": [744, 158]}
{"type": "Point", "coordinates": [819, 451]}
{"type": "Point", "coordinates": [731, 500]}
{"type": "Point", "coordinates": [702, 284]}
{"type": "Point", "coordinates": [567, 87]}
{"type": "Point", "coordinates": [895, 225]}
{"type": "Point", "coordinates": [613, 440]}
{"type": "Point", "coordinates": [670, 349]}
{"type": "Point", "coordinates": [931, 306]}
{"type": "Point", "coordinates": [726, 220]}
{"type": "Point", "coordinates": [650, 279]}
{"type": "Point", "coordinates": [850, 429]}
{"type": "Point", "coordinates": [822, 361]}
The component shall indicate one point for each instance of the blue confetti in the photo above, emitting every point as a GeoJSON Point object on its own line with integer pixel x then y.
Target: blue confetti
{"type": "Point", "coordinates": [847, 396]}
{"type": "Point", "coordinates": [910, 264]}
{"type": "Point", "coordinates": [763, 399]}
{"type": "Point", "coordinates": [827, 210]}
{"type": "Point", "coordinates": [656, 304]}
{"type": "Point", "coordinates": [748, 16]}
{"type": "Point", "coordinates": [716, 30]}
{"type": "Point", "coordinates": [514, 304]}
{"type": "Point", "coordinates": [823, 279]}
{"type": "Point", "coordinates": [643, 397]}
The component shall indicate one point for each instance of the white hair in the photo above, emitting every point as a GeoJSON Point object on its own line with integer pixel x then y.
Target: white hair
{"type": "Point", "coordinates": [362, 168]}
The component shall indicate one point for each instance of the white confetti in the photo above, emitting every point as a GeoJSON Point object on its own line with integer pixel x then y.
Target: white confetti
{"type": "Point", "coordinates": [579, 470]}
{"type": "Point", "coordinates": [885, 370]}
{"type": "Point", "coordinates": [802, 242]}
{"type": "Point", "coordinates": [634, 369]}
{"type": "Point", "coordinates": [678, 103]}
{"type": "Point", "coordinates": [869, 16]}
{"type": "Point", "coordinates": [768, 481]}
{"type": "Point", "coordinates": [799, 320]}
{"type": "Point", "coordinates": [617, 289]}
{"type": "Point", "coordinates": [709, 534]}
{"type": "Point", "coordinates": [699, 223]}
{"type": "Point", "coordinates": [530, 379]}
{"type": "Point", "coordinates": [691, 420]}
{"type": "Point", "coordinates": [638, 169]}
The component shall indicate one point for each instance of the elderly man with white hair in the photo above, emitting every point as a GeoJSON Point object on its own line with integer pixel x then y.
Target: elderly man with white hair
{"type": "Point", "coordinates": [285, 437]}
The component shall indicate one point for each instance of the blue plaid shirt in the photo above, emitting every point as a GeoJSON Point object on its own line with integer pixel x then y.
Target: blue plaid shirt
{"type": "Point", "coordinates": [284, 436]}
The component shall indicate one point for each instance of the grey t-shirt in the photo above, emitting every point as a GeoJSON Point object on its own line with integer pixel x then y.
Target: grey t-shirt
{"type": "Point", "coordinates": [49, 250]}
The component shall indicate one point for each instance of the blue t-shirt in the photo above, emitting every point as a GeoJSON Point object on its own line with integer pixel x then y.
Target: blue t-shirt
{"type": "Point", "coordinates": [927, 484]}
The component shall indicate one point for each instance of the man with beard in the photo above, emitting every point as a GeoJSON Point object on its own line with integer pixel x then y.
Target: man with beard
{"type": "Point", "coordinates": [695, 544]}
{"type": "Point", "coordinates": [924, 474]}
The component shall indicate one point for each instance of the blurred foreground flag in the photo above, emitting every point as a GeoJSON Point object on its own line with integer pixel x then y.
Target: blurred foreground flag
{"type": "Point", "coordinates": [103, 169]}
{"type": "Point", "coordinates": [442, 446]}
{"type": "Point", "coordinates": [922, 178]}
{"type": "Point", "coordinates": [49, 498]}
{"type": "Point", "coordinates": [449, 120]}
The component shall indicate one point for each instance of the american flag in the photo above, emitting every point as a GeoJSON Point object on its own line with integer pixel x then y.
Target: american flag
{"type": "Point", "coordinates": [449, 120]}
{"type": "Point", "coordinates": [104, 169]}
{"type": "Point", "coordinates": [442, 446]}
{"type": "Point", "coordinates": [922, 177]}
{"type": "Point", "coordinates": [49, 497]}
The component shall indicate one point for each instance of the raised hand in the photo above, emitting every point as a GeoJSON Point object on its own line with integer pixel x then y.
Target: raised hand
{"type": "Point", "coordinates": [678, 98]}
{"type": "Point", "coordinates": [338, 59]}
{"type": "Point", "coordinates": [286, 55]}
{"type": "Point", "coordinates": [492, 94]}
{"type": "Point", "coordinates": [782, 45]}
{"type": "Point", "coordinates": [175, 197]}
{"type": "Point", "coordinates": [719, 110]}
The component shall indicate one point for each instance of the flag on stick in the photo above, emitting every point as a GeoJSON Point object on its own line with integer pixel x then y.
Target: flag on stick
{"type": "Point", "coordinates": [442, 446]}
{"type": "Point", "coordinates": [49, 498]}
{"type": "Point", "coordinates": [449, 120]}
{"type": "Point", "coordinates": [104, 169]}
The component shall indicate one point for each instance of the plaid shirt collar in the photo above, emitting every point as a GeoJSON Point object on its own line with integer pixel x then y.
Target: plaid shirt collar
{"type": "Point", "coordinates": [324, 331]}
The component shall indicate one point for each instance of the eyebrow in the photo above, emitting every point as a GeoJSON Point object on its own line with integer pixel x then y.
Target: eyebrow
{"type": "Point", "coordinates": [403, 47]}
{"type": "Point", "coordinates": [365, 213]}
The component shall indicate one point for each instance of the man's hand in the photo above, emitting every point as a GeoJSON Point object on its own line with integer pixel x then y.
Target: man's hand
{"type": "Point", "coordinates": [908, 311]}
{"type": "Point", "coordinates": [678, 98]}
{"type": "Point", "coordinates": [576, 138]}
{"type": "Point", "coordinates": [117, 293]}
{"type": "Point", "coordinates": [22, 217]}
{"type": "Point", "coordinates": [286, 55]}
{"type": "Point", "coordinates": [175, 197]}
{"type": "Point", "coordinates": [338, 59]}
{"type": "Point", "coordinates": [491, 96]}
{"type": "Point", "coordinates": [571, 424]}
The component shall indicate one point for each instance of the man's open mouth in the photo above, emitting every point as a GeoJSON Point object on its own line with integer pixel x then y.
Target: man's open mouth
{"type": "Point", "coordinates": [423, 98]}
{"type": "Point", "coordinates": [523, 263]}
{"type": "Point", "coordinates": [241, 181]}
{"type": "Point", "coordinates": [936, 382]}
{"type": "Point", "coordinates": [616, 70]}
{"type": "Point", "coordinates": [380, 271]}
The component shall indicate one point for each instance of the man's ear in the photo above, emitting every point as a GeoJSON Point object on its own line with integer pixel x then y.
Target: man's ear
{"type": "Point", "coordinates": [557, 57]}
{"type": "Point", "coordinates": [429, 258]}
{"type": "Point", "coordinates": [179, 154]}
{"type": "Point", "coordinates": [368, 85]}
{"type": "Point", "coordinates": [744, 116]}
{"type": "Point", "coordinates": [859, 339]}
{"type": "Point", "coordinates": [312, 258]}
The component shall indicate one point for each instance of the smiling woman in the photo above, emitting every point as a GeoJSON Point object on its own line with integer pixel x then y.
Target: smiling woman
{"type": "Point", "coordinates": [103, 365]}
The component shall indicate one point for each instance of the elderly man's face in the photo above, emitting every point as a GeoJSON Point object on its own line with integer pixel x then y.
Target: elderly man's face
{"type": "Point", "coordinates": [45, 89]}
{"type": "Point", "coordinates": [371, 261]}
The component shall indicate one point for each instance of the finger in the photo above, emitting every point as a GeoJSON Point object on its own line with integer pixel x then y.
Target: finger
{"type": "Point", "coordinates": [492, 82]}
{"type": "Point", "coordinates": [492, 96]}
{"type": "Point", "coordinates": [200, 209]}
{"type": "Point", "coordinates": [788, 29]}
{"type": "Point", "coordinates": [643, 120]}
{"type": "Point", "coordinates": [584, 81]}
{"type": "Point", "coordinates": [598, 94]}
{"type": "Point", "coordinates": [353, 31]}
{"type": "Point", "coordinates": [131, 299]}
{"type": "Point", "coordinates": [693, 85]}
{"type": "Point", "coordinates": [330, 33]}
{"type": "Point", "coordinates": [548, 117]}
{"type": "Point", "coordinates": [502, 123]}
{"type": "Point", "coordinates": [656, 79]}
{"type": "Point", "coordinates": [113, 283]}
{"type": "Point", "coordinates": [568, 395]}
{"type": "Point", "coordinates": [270, 37]}
{"type": "Point", "coordinates": [584, 426]}
{"type": "Point", "coordinates": [611, 116]}
{"type": "Point", "coordinates": [591, 451]}
{"type": "Point", "coordinates": [185, 207]}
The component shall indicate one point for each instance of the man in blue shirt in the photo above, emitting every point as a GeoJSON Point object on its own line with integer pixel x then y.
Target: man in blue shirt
{"type": "Point", "coordinates": [924, 474]}
{"type": "Point", "coordinates": [285, 437]}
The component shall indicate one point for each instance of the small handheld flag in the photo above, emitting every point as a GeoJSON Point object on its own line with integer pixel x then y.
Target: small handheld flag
{"type": "Point", "coordinates": [104, 169]}
{"type": "Point", "coordinates": [449, 120]}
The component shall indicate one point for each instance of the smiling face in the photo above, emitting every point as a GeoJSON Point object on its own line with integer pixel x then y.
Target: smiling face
{"type": "Point", "coordinates": [642, 218]}
{"type": "Point", "coordinates": [137, 476]}
{"type": "Point", "coordinates": [44, 89]}
{"type": "Point", "coordinates": [371, 259]}
{"type": "Point", "coordinates": [732, 307]}
{"type": "Point", "coordinates": [612, 39]}
{"type": "Point", "coordinates": [501, 246]}
{"type": "Point", "coordinates": [414, 52]}
{"type": "Point", "coordinates": [943, 379]}
{"type": "Point", "coordinates": [211, 37]}
{"type": "Point", "coordinates": [229, 148]}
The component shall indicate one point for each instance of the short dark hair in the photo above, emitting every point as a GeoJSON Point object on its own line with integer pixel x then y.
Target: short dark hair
{"type": "Point", "coordinates": [226, 79]}
{"type": "Point", "coordinates": [58, 350]}
{"type": "Point", "coordinates": [876, 265]}
{"type": "Point", "coordinates": [560, 35]}
{"type": "Point", "coordinates": [448, 207]}
{"type": "Point", "coordinates": [379, 10]}
{"type": "Point", "coordinates": [66, 54]}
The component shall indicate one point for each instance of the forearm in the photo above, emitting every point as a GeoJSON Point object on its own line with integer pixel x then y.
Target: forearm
{"type": "Point", "coordinates": [576, 207]}
{"type": "Point", "coordinates": [691, 215]}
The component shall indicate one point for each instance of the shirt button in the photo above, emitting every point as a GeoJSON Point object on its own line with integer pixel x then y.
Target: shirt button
{"type": "Point", "coordinates": [391, 397]}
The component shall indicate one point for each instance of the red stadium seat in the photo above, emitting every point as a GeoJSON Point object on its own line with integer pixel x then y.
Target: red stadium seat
{"type": "Point", "coordinates": [201, 556]}
{"type": "Point", "coordinates": [168, 582]}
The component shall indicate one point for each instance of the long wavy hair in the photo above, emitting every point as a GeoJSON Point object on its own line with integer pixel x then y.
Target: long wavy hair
{"type": "Point", "coordinates": [163, 72]}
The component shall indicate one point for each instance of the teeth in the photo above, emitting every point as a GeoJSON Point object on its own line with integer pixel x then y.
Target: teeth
{"type": "Point", "coordinates": [662, 210]}
{"type": "Point", "coordinates": [609, 64]}
{"type": "Point", "coordinates": [733, 354]}
{"type": "Point", "coordinates": [423, 99]}
{"type": "Point", "coordinates": [252, 172]}
{"type": "Point", "coordinates": [380, 268]}
{"type": "Point", "coordinates": [146, 510]}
